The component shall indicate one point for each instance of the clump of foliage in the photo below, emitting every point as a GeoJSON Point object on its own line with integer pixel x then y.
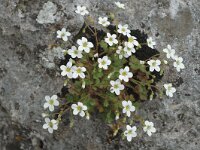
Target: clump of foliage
{"type": "Point", "coordinates": [110, 71]}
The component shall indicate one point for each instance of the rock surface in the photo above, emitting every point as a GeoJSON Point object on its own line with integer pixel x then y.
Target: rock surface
{"type": "Point", "coordinates": [29, 71]}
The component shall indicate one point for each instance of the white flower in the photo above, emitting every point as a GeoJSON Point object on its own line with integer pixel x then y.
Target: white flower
{"type": "Point", "coordinates": [132, 41]}
{"type": "Point", "coordinates": [84, 45]}
{"type": "Point", "coordinates": [78, 71]}
{"type": "Point", "coordinates": [63, 34]}
{"type": "Point", "coordinates": [116, 86]}
{"type": "Point", "coordinates": [120, 51]}
{"type": "Point", "coordinates": [169, 51]}
{"type": "Point", "coordinates": [123, 29]}
{"type": "Point", "coordinates": [120, 5]}
{"type": "Point", "coordinates": [67, 70]}
{"type": "Point", "coordinates": [104, 21]}
{"type": "Point", "coordinates": [51, 102]}
{"type": "Point", "coordinates": [125, 74]}
{"type": "Point", "coordinates": [178, 63]}
{"type": "Point", "coordinates": [150, 42]}
{"type": "Point", "coordinates": [129, 50]}
{"type": "Point", "coordinates": [128, 107]}
{"type": "Point", "coordinates": [130, 132]}
{"type": "Point", "coordinates": [50, 125]}
{"type": "Point", "coordinates": [79, 109]}
{"type": "Point", "coordinates": [104, 62]}
{"type": "Point", "coordinates": [154, 65]}
{"type": "Point", "coordinates": [149, 128]}
{"type": "Point", "coordinates": [117, 116]}
{"type": "Point", "coordinates": [96, 55]}
{"type": "Point", "coordinates": [111, 39]}
{"type": "Point", "coordinates": [81, 10]}
{"type": "Point", "coordinates": [142, 62]}
{"type": "Point", "coordinates": [87, 116]}
{"type": "Point", "coordinates": [74, 52]}
{"type": "Point", "coordinates": [169, 89]}
{"type": "Point", "coordinates": [165, 62]}
{"type": "Point", "coordinates": [83, 84]}
{"type": "Point", "coordinates": [45, 115]}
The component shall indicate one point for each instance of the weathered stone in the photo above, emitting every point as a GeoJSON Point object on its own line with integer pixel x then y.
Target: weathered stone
{"type": "Point", "coordinates": [29, 71]}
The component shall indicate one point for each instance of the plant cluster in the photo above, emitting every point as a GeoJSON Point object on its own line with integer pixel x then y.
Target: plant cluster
{"type": "Point", "coordinates": [105, 75]}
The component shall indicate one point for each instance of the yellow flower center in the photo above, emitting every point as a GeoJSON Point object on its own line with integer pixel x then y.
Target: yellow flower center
{"type": "Point", "coordinates": [50, 124]}
{"type": "Point", "coordinates": [154, 64]}
{"type": "Point", "coordinates": [79, 108]}
{"type": "Point", "coordinates": [51, 102]}
{"type": "Point", "coordinates": [63, 34]}
{"type": "Point", "coordinates": [78, 70]}
{"type": "Point", "coordinates": [127, 107]}
{"type": "Point", "coordinates": [75, 52]}
{"type": "Point", "coordinates": [130, 39]}
{"type": "Point", "coordinates": [103, 62]}
{"type": "Point", "coordinates": [123, 29]}
{"type": "Point", "coordinates": [85, 44]}
{"type": "Point", "coordinates": [129, 132]}
{"type": "Point", "coordinates": [124, 73]}
{"type": "Point", "coordinates": [68, 69]}
{"type": "Point", "coordinates": [116, 86]}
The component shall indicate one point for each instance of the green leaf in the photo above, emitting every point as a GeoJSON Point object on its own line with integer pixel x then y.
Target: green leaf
{"type": "Point", "coordinates": [143, 92]}
{"type": "Point", "coordinates": [105, 103]}
{"type": "Point", "coordinates": [70, 98]}
{"type": "Point", "coordinates": [110, 117]}
{"type": "Point", "coordinates": [103, 44]}
{"type": "Point", "coordinates": [135, 64]}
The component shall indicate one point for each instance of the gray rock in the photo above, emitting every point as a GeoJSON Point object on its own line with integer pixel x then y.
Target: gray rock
{"type": "Point", "coordinates": [27, 33]}
{"type": "Point", "coordinates": [48, 14]}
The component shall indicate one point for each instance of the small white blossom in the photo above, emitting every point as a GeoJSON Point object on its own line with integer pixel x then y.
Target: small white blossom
{"type": "Point", "coordinates": [154, 65]}
{"type": "Point", "coordinates": [128, 107]}
{"type": "Point", "coordinates": [79, 108]}
{"type": "Point", "coordinates": [125, 74]}
{"type": "Point", "coordinates": [165, 62]}
{"type": "Point", "coordinates": [132, 41]}
{"type": "Point", "coordinates": [74, 52]}
{"type": "Point", "coordinates": [130, 132]}
{"type": "Point", "coordinates": [116, 87]}
{"type": "Point", "coordinates": [129, 50]}
{"type": "Point", "coordinates": [45, 115]}
{"type": "Point", "coordinates": [83, 84]}
{"type": "Point", "coordinates": [120, 5]}
{"type": "Point", "coordinates": [104, 62]}
{"type": "Point", "coordinates": [50, 125]}
{"type": "Point", "coordinates": [84, 45]}
{"type": "Point", "coordinates": [87, 116]}
{"type": "Point", "coordinates": [67, 70]}
{"type": "Point", "coordinates": [51, 102]}
{"type": "Point", "coordinates": [111, 39]}
{"type": "Point", "coordinates": [96, 55]}
{"type": "Point", "coordinates": [81, 10]}
{"type": "Point", "coordinates": [123, 29]}
{"type": "Point", "coordinates": [110, 74]}
{"type": "Point", "coordinates": [169, 51]}
{"type": "Point", "coordinates": [117, 116]}
{"type": "Point", "coordinates": [78, 72]}
{"type": "Point", "coordinates": [178, 64]}
{"type": "Point", "coordinates": [63, 34]}
{"type": "Point", "coordinates": [169, 89]}
{"type": "Point", "coordinates": [142, 62]}
{"type": "Point", "coordinates": [104, 21]}
{"type": "Point", "coordinates": [150, 42]}
{"type": "Point", "coordinates": [149, 128]}
{"type": "Point", "coordinates": [120, 51]}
